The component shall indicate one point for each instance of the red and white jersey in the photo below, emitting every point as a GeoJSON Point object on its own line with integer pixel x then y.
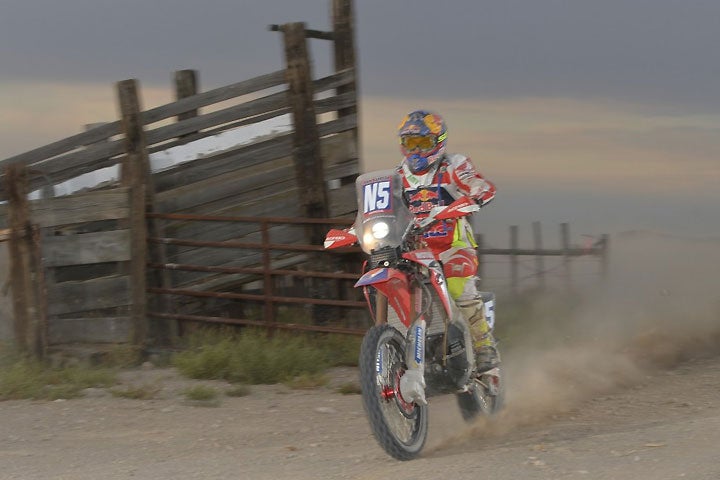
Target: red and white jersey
{"type": "Point", "coordinates": [450, 178]}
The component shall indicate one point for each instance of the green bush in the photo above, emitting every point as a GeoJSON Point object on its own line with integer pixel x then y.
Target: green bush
{"type": "Point", "coordinates": [253, 357]}
{"type": "Point", "coordinates": [24, 378]}
{"type": "Point", "coordinates": [201, 393]}
{"type": "Point", "coordinates": [141, 392]}
{"type": "Point", "coordinates": [238, 391]}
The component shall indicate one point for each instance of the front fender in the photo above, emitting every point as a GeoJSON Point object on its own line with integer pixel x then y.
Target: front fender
{"type": "Point", "coordinates": [395, 286]}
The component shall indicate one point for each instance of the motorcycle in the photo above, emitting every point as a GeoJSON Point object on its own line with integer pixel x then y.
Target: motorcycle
{"type": "Point", "coordinates": [420, 345]}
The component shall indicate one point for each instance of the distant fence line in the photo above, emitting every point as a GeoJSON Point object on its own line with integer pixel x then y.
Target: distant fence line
{"type": "Point", "coordinates": [599, 249]}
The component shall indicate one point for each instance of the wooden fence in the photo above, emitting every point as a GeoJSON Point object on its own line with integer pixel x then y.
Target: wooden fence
{"type": "Point", "coordinates": [279, 174]}
{"type": "Point", "coordinates": [55, 296]}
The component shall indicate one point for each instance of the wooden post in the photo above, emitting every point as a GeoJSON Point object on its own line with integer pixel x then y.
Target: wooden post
{"type": "Point", "coordinates": [604, 259]}
{"type": "Point", "coordinates": [309, 169]}
{"type": "Point", "coordinates": [513, 259]}
{"type": "Point", "coordinates": [134, 174]}
{"type": "Point", "coordinates": [26, 277]}
{"type": "Point", "coordinates": [539, 261]}
{"type": "Point", "coordinates": [565, 242]}
{"type": "Point", "coordinates": [186, 85]}
{"type": "Point", "coordinates": [344, 48]}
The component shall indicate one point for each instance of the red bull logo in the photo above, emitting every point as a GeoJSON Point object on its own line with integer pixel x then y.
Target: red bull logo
{"type": "Point", "coordinates": [424, 196]}
{"type": "Point", "coordinates": [423, 200]}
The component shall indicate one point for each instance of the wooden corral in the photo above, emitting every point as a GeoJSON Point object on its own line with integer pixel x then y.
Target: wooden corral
{"type": "Point", "coordinates": [82, 262]}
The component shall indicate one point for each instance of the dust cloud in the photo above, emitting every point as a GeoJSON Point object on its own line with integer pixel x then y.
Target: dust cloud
{"type": "Point", "coordinates": [658, 305]}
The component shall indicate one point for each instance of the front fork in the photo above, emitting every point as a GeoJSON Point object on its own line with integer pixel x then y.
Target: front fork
{"type": "Point", "coordinates": [412, 383]}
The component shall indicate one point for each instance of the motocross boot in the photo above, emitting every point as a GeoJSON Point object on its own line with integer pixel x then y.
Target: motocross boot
{"type": "Point", "coordinates": [486, 353]}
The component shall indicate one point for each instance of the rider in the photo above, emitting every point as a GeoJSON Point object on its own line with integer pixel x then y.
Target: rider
{"type": "Point", "coordinates": [432, 177]}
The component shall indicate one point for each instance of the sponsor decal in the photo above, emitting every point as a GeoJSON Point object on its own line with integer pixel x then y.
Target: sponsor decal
{"type": "Point", "coordinates": [423, 200]}
{"type": "Point", "coordinates": [424, 207]}
{"type": "Point", "coordinates": [419, 344]}
{"type": "Point", "coordinates": [377, 196]}
{"type": "Point", "coordinates": [424, 195]}
{"type": "Point", "coordinates": [373, 276]}
{"type": "Point", "coordinates": [434, 123]}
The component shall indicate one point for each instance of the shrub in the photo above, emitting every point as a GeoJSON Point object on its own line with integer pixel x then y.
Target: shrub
{"type": "Point", "coordinates": [201, 393]}
{"type": "Point", "coordinates": [253, 357]}
{"type": "Point", "coordinates": [24, 378]}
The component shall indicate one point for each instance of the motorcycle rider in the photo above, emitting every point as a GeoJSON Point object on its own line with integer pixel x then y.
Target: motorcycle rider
{"type": "Point", "coordinates": [432, 177]}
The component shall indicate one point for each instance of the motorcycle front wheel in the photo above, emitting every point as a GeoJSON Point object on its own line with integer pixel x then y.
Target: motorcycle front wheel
{"type": "Point", "coordinates": [399, 427]}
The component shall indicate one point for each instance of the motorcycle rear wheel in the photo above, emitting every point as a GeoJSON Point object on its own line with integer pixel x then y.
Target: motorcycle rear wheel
{"type": "Point", "coordinates": [398, 426]}
{"type": "Point", "coordinates": [479, 400]}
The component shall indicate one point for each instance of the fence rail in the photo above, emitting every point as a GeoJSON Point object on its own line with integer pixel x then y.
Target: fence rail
{"type": "Point", "coordinates": [238, 275]}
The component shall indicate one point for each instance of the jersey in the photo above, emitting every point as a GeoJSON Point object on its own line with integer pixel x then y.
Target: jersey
{"type": "Point", "coordinates": [451, 177]}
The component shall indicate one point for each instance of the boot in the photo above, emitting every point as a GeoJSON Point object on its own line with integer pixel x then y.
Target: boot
{"type": "Point", "coordinates": [486, 354]}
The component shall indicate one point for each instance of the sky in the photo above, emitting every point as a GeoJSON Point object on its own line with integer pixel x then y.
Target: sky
{"type": "Point", "coordinates": [605, 115]}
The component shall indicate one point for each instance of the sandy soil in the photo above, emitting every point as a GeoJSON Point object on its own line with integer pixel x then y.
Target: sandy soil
{"type": "Point", "coordinates": [663, 425]}
{"type": "Point", "coordinates": [626, 389]}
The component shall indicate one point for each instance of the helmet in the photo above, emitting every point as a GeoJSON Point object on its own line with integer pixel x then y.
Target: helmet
{"type": "Point", "coordinates": [422, 139]}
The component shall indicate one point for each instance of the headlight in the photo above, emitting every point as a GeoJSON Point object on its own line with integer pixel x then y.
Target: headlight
{"type": "Point", "coordinates": [380, 230]}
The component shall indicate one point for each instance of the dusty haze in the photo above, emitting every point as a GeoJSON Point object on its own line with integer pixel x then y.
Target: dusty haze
{"type": "Point", "coordinates": [658, 307]}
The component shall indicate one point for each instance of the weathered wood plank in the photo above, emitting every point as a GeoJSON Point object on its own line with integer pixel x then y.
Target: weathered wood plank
{"type": "Point", "coordinates": [104, 292]}
{"type": "Point", "coordinates": [342, 200]}
{"type": "Point", "coordinates": [90, 330]}
{"type": "Point", "coordinates": [343, 170]}
{"type": "Point", "coordinates": [73, 142]}
{"type": "Point", "coordinates": [224, 162]}
{"type": "Point", "coordinates": [82, 207]}
{"type": "Point", "coordinates": [73, 164]}
{"type": "Point", "coordinates": [186, 85]}
{"type": "Point", "coordinates": [135, 174]}
{"type": "Point", "coordinates": [242, 185]}
{"type": "Point", "coordinates": [209, 132]}
{"type": "Point", "coordinates": [342, 124]}
{"type": "Point", "coordinates": [27, 291]}
{"type": "Point", "coordinates": [276, 101]}
{"type": "Point", "coordinates": [333, 149]}
{"type": "Point", "coordinates": [309, 168]}
{"type": "Point", "coordinates": [344, 49]}
{"type": "Point", "coordinates": [216, 95]}
{"type": "Point", "coordinates": [338, 79]}
{"type": "Point", "coordinates": [87, 248]}
{"type": "Point", "coordinates": [335, 103]}
{"type": "Point", "coordinates": [243, 182]}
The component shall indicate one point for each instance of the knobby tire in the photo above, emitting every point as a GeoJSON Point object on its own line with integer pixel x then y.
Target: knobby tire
{"type": "Point", "coordinates": [400, 433]}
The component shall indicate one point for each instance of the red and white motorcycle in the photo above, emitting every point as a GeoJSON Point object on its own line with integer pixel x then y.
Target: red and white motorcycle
{"type": "Point", "coordinates": [421, 345]}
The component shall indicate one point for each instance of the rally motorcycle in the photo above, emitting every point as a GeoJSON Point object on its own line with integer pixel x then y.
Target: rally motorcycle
{"type": "Point", "coordinates": [421, 346]}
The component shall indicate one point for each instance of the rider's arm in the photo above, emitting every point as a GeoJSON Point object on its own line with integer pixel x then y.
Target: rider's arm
{"type": "Point", "coordinates": [470, 182]}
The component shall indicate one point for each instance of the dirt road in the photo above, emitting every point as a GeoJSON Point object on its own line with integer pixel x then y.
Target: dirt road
{"type": "Point", "coordinates": [628, 387]}
{"type": "Point", "coordinates": [664, 424]}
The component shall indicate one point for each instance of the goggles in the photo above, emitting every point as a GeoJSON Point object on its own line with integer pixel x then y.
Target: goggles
{"type": "Point", "coordinates": [422, 142]}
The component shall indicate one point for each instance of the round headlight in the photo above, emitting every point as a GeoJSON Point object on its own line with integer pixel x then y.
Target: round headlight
{"type": "Point", "coordinates": [380, 230]}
